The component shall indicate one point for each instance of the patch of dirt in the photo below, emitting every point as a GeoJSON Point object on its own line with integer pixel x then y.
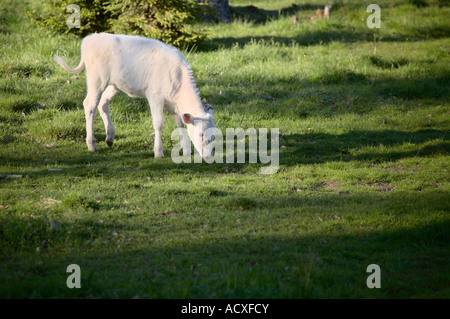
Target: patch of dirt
{"type": "Point", "coordinates": [49, 202]}
{"type": "Point", "coordinates": [382, 187]}
{"type": "Point", "coordinates": [167, 213]}
{"type": "Point", "coordinates": [394, 168]}
{"type": "Point", "coordinates": [330, 185]}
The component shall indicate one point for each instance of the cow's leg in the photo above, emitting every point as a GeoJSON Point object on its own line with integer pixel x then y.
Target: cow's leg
{"type": "Point", "coordinates": [183, 138]}
{"type": "Point", "coordinates": [157, 108]}
{"type": "Point", "coordinates": [90, 107]}
{"type": "Point", "coordinates": [103, 108]}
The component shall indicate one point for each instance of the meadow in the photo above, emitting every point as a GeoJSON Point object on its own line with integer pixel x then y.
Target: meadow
{"type": "Point", "coordinates": [363, 116]}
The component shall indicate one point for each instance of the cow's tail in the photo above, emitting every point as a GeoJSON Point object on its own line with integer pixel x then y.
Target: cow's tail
{"type": "Point", "coordinates": [62, 63]}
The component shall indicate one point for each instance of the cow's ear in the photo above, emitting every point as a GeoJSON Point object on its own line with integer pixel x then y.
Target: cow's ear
{"type": "Point", "coordinates": [188, 118]}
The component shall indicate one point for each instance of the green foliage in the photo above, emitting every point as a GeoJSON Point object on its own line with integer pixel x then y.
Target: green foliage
{"type": "Point", "coordinates": [95, 16]}
{"type": "Point", "coordinates": [170, 21]}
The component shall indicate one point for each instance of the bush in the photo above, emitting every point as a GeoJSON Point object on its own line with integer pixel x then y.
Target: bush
{"type": "Point", "coordinates": [171, 21]}
{"type": "Point", "coordinates": [95, 16]}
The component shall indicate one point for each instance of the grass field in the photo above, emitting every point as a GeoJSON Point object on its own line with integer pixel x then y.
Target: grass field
{"type": "Point", "coordinates": [363, 179]}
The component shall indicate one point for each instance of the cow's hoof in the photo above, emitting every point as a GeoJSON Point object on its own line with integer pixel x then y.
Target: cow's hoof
{"type": "Point", "coordinates": [92, 149]}
{"type": "Point", "coordinates": [109, 143]}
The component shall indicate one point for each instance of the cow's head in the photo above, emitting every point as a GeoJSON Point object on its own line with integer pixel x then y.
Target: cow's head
{"type": "Point", "coordinates": [202, 130]}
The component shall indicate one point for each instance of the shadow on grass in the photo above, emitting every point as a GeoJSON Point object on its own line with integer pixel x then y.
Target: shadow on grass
{"type": "Point", "coordinates": [313, 148]}
{"type": "Point", "coordinates": [308, 148]}
{"type": "Point", "coordinates": [328, 264]}
{"type": "Point", "coordinates": [307, 38]}
{"type": "Point", "coordinates": [331, 31]}
{"type": "Point", "coordinates": [325, 91]}
{"type": "Point", "coordinates": [261, 16]}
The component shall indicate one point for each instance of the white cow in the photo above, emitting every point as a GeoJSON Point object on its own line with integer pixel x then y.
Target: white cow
{"type": "Point", "coordinates": [147, 68]}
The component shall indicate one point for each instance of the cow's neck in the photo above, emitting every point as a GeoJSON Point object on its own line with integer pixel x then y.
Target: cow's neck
{"type": "Point", "coordinates": [188, 97]}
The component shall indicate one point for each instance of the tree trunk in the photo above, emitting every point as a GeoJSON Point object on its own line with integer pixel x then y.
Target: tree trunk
{"type": "Point", "coordinates": [223, 12]}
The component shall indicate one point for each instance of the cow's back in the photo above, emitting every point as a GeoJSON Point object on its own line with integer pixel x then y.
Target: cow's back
{"type": "Point", "coordinates": [138, 66]}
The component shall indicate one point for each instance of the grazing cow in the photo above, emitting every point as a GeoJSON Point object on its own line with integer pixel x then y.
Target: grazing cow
{"type": "Point", "coordinates": [148, 68]}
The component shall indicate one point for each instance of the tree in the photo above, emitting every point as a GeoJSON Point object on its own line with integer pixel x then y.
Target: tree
{"type": "Point", "coordinates": [171, 21]}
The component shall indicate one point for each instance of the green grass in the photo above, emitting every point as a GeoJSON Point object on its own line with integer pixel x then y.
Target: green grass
{"type": "Point", "coordinates": [363, 179]}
